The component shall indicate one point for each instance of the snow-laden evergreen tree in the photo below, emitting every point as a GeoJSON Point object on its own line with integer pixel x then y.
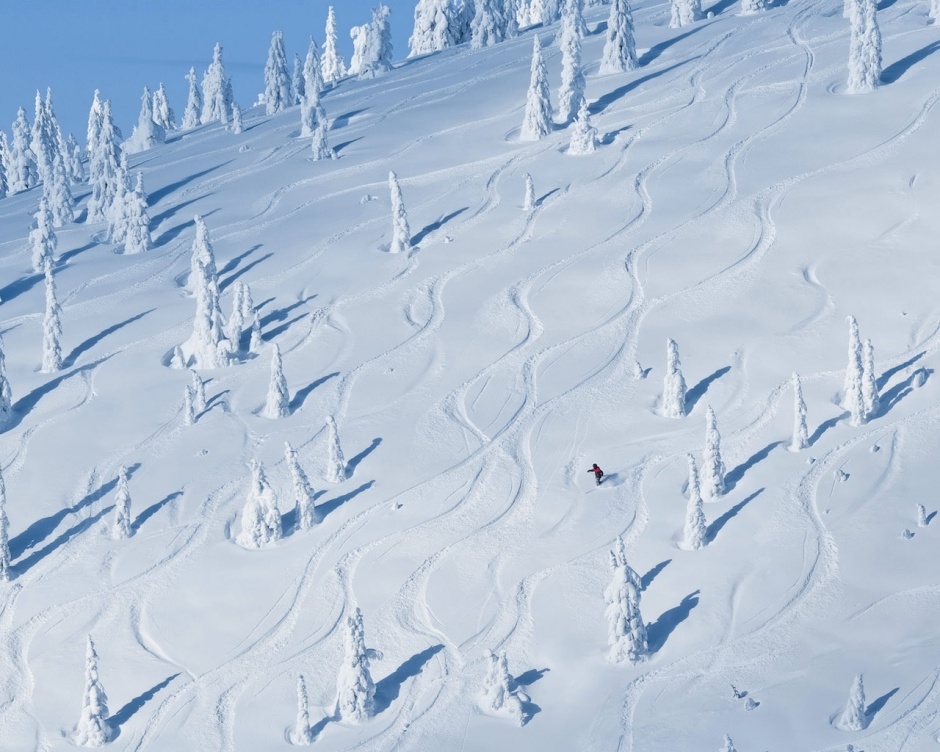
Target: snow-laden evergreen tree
{"type": "Point", "coordinates": [189, 408]}
{"type": "Point", "coordinates": [42, 238]}
{"type": "Point", "coordinates": [853, 717]}
{"type": "Point", "coordinates": [297, 81]}
{"type": "Point", "coordinates": [237, 125]}
{"type": "Point", "coordinates": [332, 65]}
{"type": "Point", "coordinates": [401, 232]}
{"type": "Point", "coordinates": [261, 519]}
{"type": "Point", "coordinates": [870, 401]}
{"type": "Point", "coordinates": [147, 133]}
{"type": "Point", "coordinates": [277, 404]}
{"type": "Point", "coordinates": [57, 193]}
{"type": "Point", "coordinates": [56, 136]}
{"type": "Point", "coordinates": [695, 533]}
{"type": "Point", "coordinates": [137, 238]}
{"type": "Point", "coordinates": [306, 510]}
{"type": "Point", "coordinates": [684, 12]}
{"type": "Point", "coordinates": [336, 462]}
{"type": "Point", "coordinates": [673, 403]}
{"type": "Point", "coordinates": [463, 20]}
{"type": "Point", "coordinates": [372, 45]}
{"type": "Point", "coordinates": [934, 12]}
{"type": "Point", "coordinates": [853, 399]}
{"type": "Point", "coordinates": [41, 141]}
{"type": "Point", "coordinates": [202, 253]}
{"type": "Point", "coordinates": [277, 86]}
{"type": "Point", "coordinates": [355, 690]}
{"type": "Point", "coordinates": [499, 693]}
{"type": "Point", "coordinates": [713, 469]}
{"type": "Point", "coordinates": [571, 93]}
{"type": "Point", "coordinates": [626, 632]}
{"type": "Point", "coordinates": [73, 160]}
{"type": "Point", "coordinates": [800, 438]}
{"type": "Point", "coordinates": [216, 91]}
{"type": "Point", "coordinates": [93, 729]}
{"type": "Point", "coordinates": [208, 346]}
{"type": "Point", "coordinates": [104, 167]}
{"type": "Point", "coordinates": [4, 534]}
{"type": "Point", "coordinates": [302, 735]}
{"type": "Point", "coordinates": [864, 48]}
{"type": "Point", "coordinates": [576, 8]}
{"type": "Point", "coordinates": [728, 745]}
{"type": "Point", "coordinates": [313, 77]}
{"type": "Point", "coordinates": [319, 146]}
{"type": "Point", "coordinates": [235, 324]}
{"type": "Point", "coordinates": [620, 48]}
{"type": "Point", "coordinates": [255, 341]}
{"type": "Point", "coordinates": [122, 508]}
{"type": "Point", "coordinates": [117, 219]}
{"type": "Point", "coordinates": [435, 27]}
{"type": "Point", "coordinates": [6, 394]}
{"type": "Point", "coordinates": [177, 359]}
{"type": "Point", "coordinates": [921, 516]}
{"type": "Point", "coordinates": [4, 165]}
{"type": "Point", "coordinates": [199, 390]}
{"type": "Point", "coordinates": [95, 115]}
{"type": "Point", "coordinates": [537, 120]}
{"type": "Point", "coordinates": [583, 134]}
{"type": "Point", "coordinates": [193, 111]}
{"type": "Point", "coordinates": [23, 173]}
{"type": "Point", "coordinates": [163, 114]}
{"type": "Point", "coordinates": [494, 21]}
{"type": "Point", "coordinates": [528, 202]}
{"type": "Point", "coordinates": [752, 6]}
{"type": "Point", "coordinates": [51, 326]}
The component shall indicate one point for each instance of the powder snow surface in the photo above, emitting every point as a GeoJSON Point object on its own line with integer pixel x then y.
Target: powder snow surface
{"type": "Point", "coordinates": [740, 203]}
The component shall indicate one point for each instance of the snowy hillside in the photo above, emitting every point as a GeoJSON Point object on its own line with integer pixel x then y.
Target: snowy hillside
{"type": "Point", "coordinates": [740, 202]}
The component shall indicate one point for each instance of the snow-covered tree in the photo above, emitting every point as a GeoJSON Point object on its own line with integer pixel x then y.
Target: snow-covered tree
{"type": "Point", "coordinates": [57, 193]}
{"type": "Point", "coordinates": [93, 135]}
{"type": "Point", "coordinates": [117, 224]}
{"type": "Point", "coordinates": [261, 519]}
{"type": "Point", "coordinates": [336, 463]}
{"type": "Point", "coordinates": [4, 164]}
{"type": "Point", "coordinates": [307, 514]}
{"type": "Point", "coordinates": [800, 438]}
{"type": "Point", "coordinates": [626, 632]}
{"type": "Point", "coordinates": [237, 125]}
{"type": "Point", "coordinates": [864, 48]}
{"type": "Point", "coordinates": [494, 21]}
{"type": "Point", "coordinates": [23, 173]}
{"type": "Point", "coordinates": [319, 145]}
{"type": "Point", "coordinates": [93, 729]}
{"type": "Point", "coordinates": [673, 402]}
{"type": "Point", "coordinates": [277, 86]}
{"type": "Point", "coordinates": [537, 121]}
{"type": "Point", "coordinates": [6, 394]}
{"type": "Point", "coordinates": [216, 91]}
{"type": "Point", "coordinates": [528, 202]}
{"type": "Point", "coordinates": [277, 404]}
{"type": "Point", "coordinates": [713, 469]}
{"type": "Point", "coordinates": [463, 20]}
{"type": "Point", "coordinates": [620, 48]}
{"type": "Point", "coordinates": [122, 508]}
{"type": "Point", "coordinates": [372, 45]}
{"type": "Point", "coordinates": [163, 114]}
{"type": "Point", "coordinates": [583, 134]}
{"type": "Point", "coordinates": [728, 745]}
{"type": "Point", "coordinates": [42, 238]}
{"type": "Point", "coordinates": [853, 717]}
{"type": "Point", "coordinates": [499, 693]}
{"type": "Point", "coordinates": [571, 93]}
{"type": "Point", "coordinates": [435, 27]}
{"type": "Point", "coordinates": [313, 77]}
{"type": "Point", "coordinates": [853, 399]}
{"type": "Point", "coordinates": [297, 81]}
{"type": "Point", "coordinates": [41, 141]}
{"type": "Point", "coordinates": [51, 326]}
{"type": "Point", "coordinates": [332, 65]}
{"type": "Point", "coordinates": [104, 167]}
{"type": "Point", "coordinates": [73, 160]}
{"type": "Point", "coordinates": [695, 533]}
{"type": "Point", "coordinates": [189, 408]}
{"type": "Point", "coordinates": [684, 12]}
{"type": "Point", "coordinates": [137, 238]}
{"type": "Point", "coordinates": [255, 341]}
{"type": "Point", "coordinates": [4, 534]}
{"type": "Point", "coordinates": [208, 346]}
{"type": "Point", "coordinates": [199, 390]}
{"type": "Point", "coordinates": [193, 111]}
{"type": "Point", "coordinates": [177, 359]}
{"type": "Point", "coordinates": [869, 381]}
{"type": "Point", "coordinates": [355, 690]}
{"type": "Point", "coordinates": [235, 324]}
{"type": "Point", "coordinates": [934, 12]}
{"type": "Point", "coordinates": [302, 735]}
{"type": "Point", "coordinates": [147, 133]}
{"type": "Point", "coordinates": [752, 6]}
{"type": "Point", "coordinates": [921, 516]}
{"type": "Point", "coordinates": [401, 232]}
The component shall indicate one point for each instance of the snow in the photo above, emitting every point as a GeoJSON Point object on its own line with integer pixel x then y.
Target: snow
{"type": "Point", "coordinates": [739, 202]}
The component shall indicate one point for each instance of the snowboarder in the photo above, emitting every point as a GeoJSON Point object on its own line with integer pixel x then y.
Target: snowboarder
{"type": "Point", "coordinates": [598, 473]}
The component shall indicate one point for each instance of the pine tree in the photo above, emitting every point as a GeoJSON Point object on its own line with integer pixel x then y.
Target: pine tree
{"type": "Point", "coordinates": [93, 729]}
{"type": "Point", "coordinates": [209, 347]}
{"type": "Point", "coordinates": [95, 115]}
{"type": "Point", "coordinates": [435, 27]}
{"type": "Point", "coordinates": [583, 134]}
{"type": "Point", "coordinates": [571, 93]}
{"type": "Point", "coordinates": [40, 141]}
{"type": "Point", "coordinates": [237, 125]}
{"type": "Point", "coordinates": [302, 734]}
{"type": "Point", "coordinates": [626, 631]}
{"type": "Point", "coordinates": [122, 508]}
{"type": "Point", "coordinates": [620, 48]}
{"type": "Point", "coordinates": [494, 21]}
{"type": "Point", "coordinates": [319, 146]}
{"type": "Point", "coordinates": [934, 13]}
{"type": "Point", "coordinates": [684, 12]}
{"type": "Point", "coordinates": [117, 211]}
{"type": "Point", "coordinates": [297, 81]}
{"type": "Point", "coordinates": [921, 516]}
{"type": "Point", "coordinates": [713, 469]}
{"type": "Point", "coordinates": [355, 691]}
{"type": "Point", "coordinates": [864, 47]}
{"type": "Point", "coordinates": [752, 6]}
{"type": "Point", "coordinates": [193, 111]}
{"type": "Point", "coordinates": [216, 91]}
{"type": "Point", "coordinates": [51, 327]}
{"type": "Point", "coordinates": [55, 135]}
{"type": "Point", "coordinates": [372, 45]}
{"type": "Point", "coordinates": [147, 133]}
{"type": "Point", "coordinates": [5, 573]}
{"type": "Point", "coordinates": [695, 533]}
{"type": "Point", "coordinates": [336, 463]}
{"type": "Point", "coordinates": [463, 20]}
{"type": "Point", "coordinates": [310, 118]}
{"type": "Point", "coordinates": [499, 693]}
{"type": "Point", "coordinates": [332, 64]}
{"type": "Point", "coordinates": [104, 167]}
{"type": "Point", "coordinates": [137, 237]}
{"type": "Point", "coordinates": [198, 387]}
{"type": "Point", "coordinates": [73, 160]}
{"type": "Point", "coordinates": [22, 174]}
{"type": "Point", "coordinates": [177, 359]}
{"type": "Point", "coordinates": [163, 114]}
{"type": "Point", "coordinates": [673, 403]}
{"type": "Point", "coordinates": [853, 717]}
{"type": "Point", "coordinates": [853, 399]}
{"type": "Point", "coordinates": [529, 202]}
{"type": "Point", "coordinates": [4, 165]}
{"type": "Point", "coordinates": [189, 408]}
{"type": "Point", "coordinates": [42, 238]}
{"type": "Point", "coordinates": [728, 745]}
{"type": "Point", "coordinates": [307, 514]}
{"type": "Point", "coordinates": [800, 438]}
{"type": "Point", "coordinates": [537, 121]}
{"type": "Point", "coordinates": [401, 232]}
{"type": "Point", "coordinates": [277, 88]}
{"type": "Point", "coordinates": [277, 404]}
{"type": "Point", "coordinates": [57, 193]}
{"type": "Point", "coordinates": [6, 394]}
{"type": "Point", "coordinates": [313, 78]}
{"type": "Point", "coordinates": [869, 382]}
{"type": "Point", "coordinates": [261, 519]}
{"type": "Point", "coordinates": [236, 321]}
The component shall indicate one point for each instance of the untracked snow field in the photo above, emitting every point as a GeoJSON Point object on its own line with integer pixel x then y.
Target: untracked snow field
{"type": "Point", "coordinates": [740, 203]}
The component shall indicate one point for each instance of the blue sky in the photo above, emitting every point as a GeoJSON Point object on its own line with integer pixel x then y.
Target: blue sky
{"type": "Point", "coordinates": [120, 47]}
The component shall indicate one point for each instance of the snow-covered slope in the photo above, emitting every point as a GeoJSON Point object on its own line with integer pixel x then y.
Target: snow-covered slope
{"type": "Point", "coordinates": [740, 203]}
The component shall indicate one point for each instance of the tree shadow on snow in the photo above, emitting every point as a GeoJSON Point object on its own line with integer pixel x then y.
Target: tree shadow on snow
{"type": "Point", "coordinates": [658, 49]}
{"type": "Point", "coordinates": [733, 477]}
{"type": "Point", "coordinates": [531, 676]}
{"type": "Point", "coordinates": [281, 314]}
{"type": "Point", "coordinates": [886, 376]}
{"type": "Point", "coordinates": [713, 529]}
{"type": "Point", "coordinates": [344, 119]}
{"type": "Point", "coordinates": [228, 281]}
{"type": "Point", "coordinates": [388, 689]}
{"type": "Point", "coordinates": [232, 264]}
{"type": "Point", "coordinates": [278, 330]}
{"type": "Point", "coordinates": [27, 402]}
{"type": "Point", "coordinates": [162, 193]}
{"type": "Point", "coordinates": [658, 632]}
{"type": "Point", "coordinates": [24, 566]}
{"type": "Point", "coordinates": [300, 396]}
{"type": "Point", "coordinates": [720, 6]}
{"type": "Point", "coordinates": [153, 509]}
{"type": "Point", "coordinates": [541, 199]}
{"type": "Point", "coordinates": [698, 391]}
{"type": "Point", "coordinates": [602, 103]}
{"type": "Point", "coordinates": [823, 427]}
{"type": "Point", "coordinates": [878, 704]}
{"type": "Point", "coordinates": [69, 255]}
{"type": "Point", "coordinates": [647, 579]}
{"type": "Point", "coordinates": [333, 504]}
{"type": "Point", "coordinates": [894, 71]}
{"type": "Point", "coordinates": [354, 462]}
{"type": "Point", "coordinates": [339, 147]}
{"type": "Point", "coordinates": [17, 288]}
{"type": "Point", "coordinates": [123, 715]}
{"type": "Point", "coordinates": [425, 231]}
{"type": "Point", "coordinates": [173, 210]}
{"type": "Point", "coordinates": [175, 232]}
{"type": "Point", "coordinates": [89, 343]}
{"type": "Point", "coordinates": [899, 391]}
{"type": "Point", "coordinates": [885, 4]}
